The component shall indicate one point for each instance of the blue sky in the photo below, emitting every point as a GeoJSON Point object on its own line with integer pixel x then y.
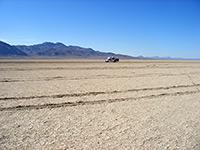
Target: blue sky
{"type": "Point", "coordinates": [134, 27]}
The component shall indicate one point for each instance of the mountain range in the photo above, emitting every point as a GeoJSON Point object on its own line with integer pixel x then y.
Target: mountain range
{"type": "Point", "coordinates": [8, 50]}
{"type": "Point", "coordinates": [53, 50]}
{"type": "Point", "coordinates": [59, 50]}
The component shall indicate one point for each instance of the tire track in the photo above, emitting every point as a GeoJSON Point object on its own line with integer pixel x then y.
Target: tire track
{"type": "Point", "coordinates": [94, 68]}
{"type": "Point", "coordinates": [97, 93]}
{"type": "Point", "coordinates": [77, 103]}
{"type": "Point", "coordinates": [89, 78]}
{"type": "Point", "coordinates": [96, 77]}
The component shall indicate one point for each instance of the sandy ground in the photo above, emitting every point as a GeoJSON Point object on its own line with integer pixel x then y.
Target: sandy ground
{"type": "Point", "coordinates": [89, 104]}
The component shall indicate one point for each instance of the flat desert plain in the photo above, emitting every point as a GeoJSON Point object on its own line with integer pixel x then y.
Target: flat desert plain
{"type": "Point", "coordinates": [90, 104]}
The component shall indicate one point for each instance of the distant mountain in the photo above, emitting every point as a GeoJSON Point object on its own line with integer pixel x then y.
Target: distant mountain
{"type": "Point", "coordinates": [8, 50]}
{"type": "Point", "coordinates": [59, 50]}
{"type": "Point", "coordinates": [49, 49]}
{"type": "Point", "coordinates": [170, 58]}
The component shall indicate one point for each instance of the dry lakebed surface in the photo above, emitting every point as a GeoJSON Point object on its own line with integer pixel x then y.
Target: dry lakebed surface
{"type": "Point", "coordinates": [90, 104]}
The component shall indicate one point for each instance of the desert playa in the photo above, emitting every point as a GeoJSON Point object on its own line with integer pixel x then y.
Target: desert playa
{"type": "Point", "coordinates": [90, 104]}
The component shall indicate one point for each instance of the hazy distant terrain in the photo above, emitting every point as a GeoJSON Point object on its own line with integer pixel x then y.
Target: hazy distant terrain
{"type": "Point", "coordinates": [90, 104]}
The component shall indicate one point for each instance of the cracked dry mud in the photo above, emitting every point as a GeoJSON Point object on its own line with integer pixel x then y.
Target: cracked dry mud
{"type": "Point", "coordinates": [89, 104]}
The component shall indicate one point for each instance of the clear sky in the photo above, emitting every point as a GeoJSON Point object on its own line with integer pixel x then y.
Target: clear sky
{"type": "Point", "coordinates": [134, 27]}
